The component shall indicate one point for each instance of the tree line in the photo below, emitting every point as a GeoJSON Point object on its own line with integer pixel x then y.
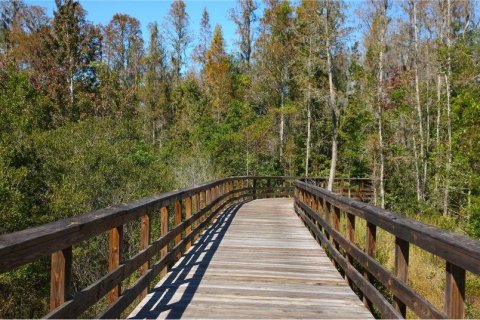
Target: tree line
{"type": "Point", "coordinates": [93, 115]}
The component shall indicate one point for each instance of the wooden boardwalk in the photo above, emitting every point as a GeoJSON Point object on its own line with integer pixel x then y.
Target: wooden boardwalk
{"type": "Point", "coordinates": [257, 260]}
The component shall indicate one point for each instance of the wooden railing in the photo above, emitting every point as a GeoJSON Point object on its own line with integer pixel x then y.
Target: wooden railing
{"type": "Point", "coordinates": [188, 212]}
{"type": "Point", "coordinates": [322, 212]}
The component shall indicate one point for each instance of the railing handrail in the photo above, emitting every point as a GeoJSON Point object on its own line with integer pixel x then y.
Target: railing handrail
{"type": "Point", "coordinates": [79, 228]}
{"type": "Point", "coordinates": [24, 246]}
{"type": "Point", "coordinates": [453, 247]}
{"type": "Point", "coordinates": [191, 210]}
{"type": "Point", "coordinates": [321, 211]}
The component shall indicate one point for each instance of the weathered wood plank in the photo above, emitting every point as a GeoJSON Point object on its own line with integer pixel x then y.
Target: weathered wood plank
{"type": "Point", "coordinates": [60, 277]}
{"type": "Point", "coordinates": [401, 270]}
{"type": "Point", "coordinates": [455, 291]}
{"type": "Point", "coordinates": [420, 305]}
{"type": "Point", "coordinates": [445, 244]}
{"type": "Point", "coordinates": [145, 233]}
{"type": "Point", "coordinates": [114, 258]}
{"type": "Point", "coordinates": [257, 262]}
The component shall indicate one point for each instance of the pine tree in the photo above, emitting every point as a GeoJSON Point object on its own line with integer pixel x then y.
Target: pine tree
{"type": "Point", "coordinates": [217, 75]}
{"type": "Point", "coordinates": [179, 36]}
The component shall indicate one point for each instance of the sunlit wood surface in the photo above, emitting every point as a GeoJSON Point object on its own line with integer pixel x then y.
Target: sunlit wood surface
{"type": "Point", "coordinates": [256, 261]}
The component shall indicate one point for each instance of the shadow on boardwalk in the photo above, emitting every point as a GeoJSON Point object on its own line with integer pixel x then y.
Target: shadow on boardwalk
{"type": "Point", "coordinates": [197, 258]}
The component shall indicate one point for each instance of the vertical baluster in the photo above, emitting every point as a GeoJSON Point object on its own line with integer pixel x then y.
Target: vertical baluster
{"type": "Point", "coordinates": [188, 215]}
{"type": "Point", "coordinates": [401, 270]}
{"type": "Point", "coordinates": [203, 203]}
{"type": "Point", "coordinates": [177, 219]}
{"type": "Point", "coordinates": [371, 239]}
{"type": "Point", "coordinates": [208, 199]}
{"type": "Point", "coordinates": [145, 231]}
{"type": "Point", "coordinates": [327, 213]}
{"type": "Point", "coordinates": [197, 208]}
{"type": "Point", "coordinates": [455, 291]}
{"type": "Point", "coordinates": [336, 223]}
{"type": "Point", "coordinates": [114, 258]}
{"type": "Point", "coordinates": [163, 231]}
{"type": "Point", "coordinates": [351, 237]}
{"type": "Point", "coordinates": [60, 277]}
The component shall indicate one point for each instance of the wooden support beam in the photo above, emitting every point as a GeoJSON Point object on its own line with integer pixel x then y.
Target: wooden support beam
{"type": "Point", "coordinates": [188, 214]}
{"type": "Point", "coordinates": [327, 211]}
{"type": "Point", "coordinates": [203, 203]}
{"type": "Point", "coordinates": [371, 241]}
{"type": "Point", "coordinates": [114, 259]}
{"type": "Point", "coordinates": [145, 238]}
{"type": "Point", "coordinates": [401, 270]}
{"type": "Point", "coordinates": [163, 231]}
{"type": "Point", "coordinates": [455, 291]}
{"type": "Point", "coordinates": [196, 201]}
{"type": "Point", "coordinates": [177, 219]}
{"type": "Point", "coordinates": [60, 277]}
{"type": "Point", "coordinates": [336, 223]}
{"type": "Point", "coordinates": [351, 227]}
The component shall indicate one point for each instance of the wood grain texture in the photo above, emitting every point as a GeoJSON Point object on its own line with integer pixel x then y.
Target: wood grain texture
{"type": "Point", "coordinates": [401, 270]}
{"type": "Point", "coordinates": [145, 234]}
{"type": "Point", "coordinates": [455, 291]}
{"type": "Point", "coordinates": [443, 243]}
{"type": "Point", "coordinates": [60, 277]}
{"type": "Point", "coordinates": [255, 262]}
{"type": "Point", "coordinates": [114, 258]}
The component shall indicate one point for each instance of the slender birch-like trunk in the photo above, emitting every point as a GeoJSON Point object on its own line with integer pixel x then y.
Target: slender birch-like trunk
{"type": "Point", "coordinates": [379, 104]}
{"type": "Point", "coordinates": [420, 194]}
{"type": "Point", "coordinates": [449, 124]}
{"type": "Point", "coordinates": [437, 133]}
{"type": "Point", "coordinates": [309, 111]}
{"type": "Point", "coordinates": [282, 123]}
{"type": "Point", "coordinates": [333, 162]}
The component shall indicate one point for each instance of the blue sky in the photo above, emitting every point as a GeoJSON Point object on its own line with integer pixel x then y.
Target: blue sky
{"type": "Point", "coordinates": [150, 11]}
{"type": "Point", "coordinates": [101, 11]}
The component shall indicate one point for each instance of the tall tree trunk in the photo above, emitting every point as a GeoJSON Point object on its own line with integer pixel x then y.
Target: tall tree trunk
{"type": "Point", "coordinates": [309, 111]}
{"type": "Point", "coordinates": [333, 162]}
{"type": "Point", "coordinates": [448, 165]}
{"type": "Point", "coordinates": [449, 124]}
{"type": "Point", "coordinates": [379, 103]}
{"type": "Point", "coordinates": [282, 123]}
{"type": "Point", "coordinates": [417, 100]}
{"type": "Point", "coordinates": [437, 133]}
{"type": "Point", "coordinates": [417, 173]}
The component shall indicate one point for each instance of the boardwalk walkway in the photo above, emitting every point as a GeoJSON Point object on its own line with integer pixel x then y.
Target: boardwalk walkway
{"type": "Point", "coordinates": [256, 261]}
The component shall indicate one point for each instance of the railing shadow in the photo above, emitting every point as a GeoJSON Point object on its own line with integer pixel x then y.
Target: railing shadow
{"type": "Point", "coordinates": [198, 258]}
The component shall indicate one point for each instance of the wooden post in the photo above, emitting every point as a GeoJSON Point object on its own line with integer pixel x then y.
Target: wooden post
{"type": "Point", "coordinates": [401, 270]}
{"type": "Point", "coordinates": [114, 258]}
{"type": "Point", "coordinates": [336, 223]}
{"type": "Point", "coordinates": [196, 201]}
{"type": "Point", "coordinates": [178, 219]}
{"type": "Point", "coordinates": [455, 291]}
{"type": "Point", "coordinates": [163, 231]}
{"type": "Point", "coordinates": [351, 227]}
{"type": "Point", "coordinates": [254, 189]}
{"type": "Point", "coordinates": [188, 214]}
{"type": "Point", "coordinates": [60, 277]}
{"type": "Point", "coordinates": [145, 232]}
{"type": "Point", "coordinates": [327, 208]}
{"type": "Point", "coordinates": [371, 240]}
{"type": "Point", "coordinates": [351, 238]}
{"type": "Point", "coordinates": [206, 200]}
